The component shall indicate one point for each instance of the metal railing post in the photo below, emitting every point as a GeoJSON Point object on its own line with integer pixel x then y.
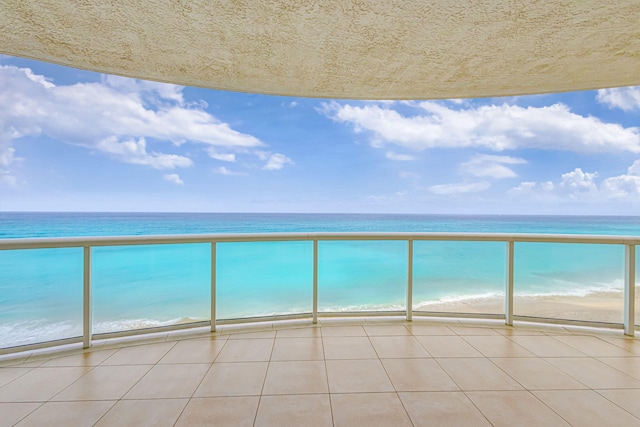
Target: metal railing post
{"type": "Point", "coordinates": [629, 289]}
{"type": "Point", "coordinates": [86, 300]}
{"type": "Point", "coordinates": [213, 286]}
{"type": "Point", "coordinates": [315, 281]}
{"type": "Point", "coordinates": [410, 281]}
{"type": "Point", "coordinates": [508, 297]}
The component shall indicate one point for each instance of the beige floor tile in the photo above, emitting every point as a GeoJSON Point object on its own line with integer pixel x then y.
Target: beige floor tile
{"type": "Point", "coordinates": [253, 350]}
{"type": "Point", "coordinates": [593, 373]}
{"type": "Point", "coordinates": [253, 335]}
{"type": "Point", "coordinates": [67, 414]}
{"type": "Point", "coordinates": [417, 329]}
{"type": "Point", "coordinates": [543, 346]}
{"type": "Point", "coordinates": [169, 381]}
{"type": "Point", "coordinates": [368, 410]}
{"type": "Point", "coordinates": [398, 347]}
{"type": "Point", "coordinates": [477, 374]}
{"type": "Point", "coordinates": [147, 354]}
{"type": "Point", "coordinates": [343, 331]}
{"type": "Point", "coordinates": [632, 345]}
{"type": "Point", "coordinates": [141, 413]}
{"type": "Point", "coordinates": [537, 374]}
{"type": "Point", "coordinates": [104, 383]}
{"type": "Point", "coordinates": [353, 376]}
{"type": "Point", "coordinates": [626, 399]}
{"type": "Point", "coordinates": [308, 332]}
{"type": "Point", "coordinates": [9, 374]}
{"type": "Point", "coordinates": [586, 408]}
{"type": "Point", "coordinates": [302, 410]}
{"type": "Point", "coordinates": [497, 346]}
{"type": "Point", "coordinates": [442, 409]}
{"type": "Point", "coordinates": [474, 331]}
{"type": "Point", "coordinates": [448, 346]}
{"type": "Point", "coordinates": [220, 412]}
{"type": "Point", "coordinates": [233, 379]}
{"type": "Point", "coordinates": [89, 358]}
{"type": "Point", "coordinates": [348, 348]}
{"type": "Point", "coordinates": [511, 408]}
{"type": "Point", "coordinates": [297, 349]}
{"type": "Point", "coordinates": [194, 351]}
{"type": "Point", "coordinates": [11, 413]}
{"type": "Point", "coordinates": [296, 377]}
{"type": "Point", "coordinates": [385, 330]}
{"type": "Point", "coordinates": [418, 375]}
{"type": "Point", "coordinates": [517, 332]}
{"type": "Point", "coordinates": [593, 346]}
{"type": "Point", "coordinates": [40, 384]}
{"type": "Point", "coordinates": [628, 365]}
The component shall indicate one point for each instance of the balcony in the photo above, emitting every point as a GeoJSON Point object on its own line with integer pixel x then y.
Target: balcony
{"type": "Point", "coordinates": [314, 366]}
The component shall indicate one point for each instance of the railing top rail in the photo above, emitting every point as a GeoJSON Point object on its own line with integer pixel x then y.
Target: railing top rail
{"type": "Point", "coordinates": [71, 242]}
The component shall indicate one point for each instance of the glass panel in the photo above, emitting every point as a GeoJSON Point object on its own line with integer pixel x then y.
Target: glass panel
{"type": "Point", "coordinates": [153, 285]}
{"type": "Point", "coordinates": [264, 278]}
{"type": "Point", "coordinates": [459, 277]}
{"type": "Point", "coordinates": [569, 281]}
{"type": "Point", "coordinates": [40, 295]}
{"type": "Point", "coordinates": [364, 275]}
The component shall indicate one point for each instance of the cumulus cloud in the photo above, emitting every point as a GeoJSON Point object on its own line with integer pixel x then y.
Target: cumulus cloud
{"type": "Point", "coordinates": [625, 98]}
{"type": "Point", "coordinates": [173, 177]}
{"type": "Point", "coordinates": [494, 127]}
{"type": "Point", "coordinates": [274, 161]}
{"type": "Point", "coordinates": [579, 181]}
{"type": "Point", "coordinates": [486, 165]}
{"type": "Point", "coordinates": [399, 157]}
{"type": "Point", "coordinates": [117, 116]}
{"type": "Point", "coordinates": [580, 185]}
{"type": "Point", "coordinates": [459, 188]}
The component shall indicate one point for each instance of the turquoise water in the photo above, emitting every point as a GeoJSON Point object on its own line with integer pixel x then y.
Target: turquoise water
{"type": "Point", "coordinates": [142, 286]}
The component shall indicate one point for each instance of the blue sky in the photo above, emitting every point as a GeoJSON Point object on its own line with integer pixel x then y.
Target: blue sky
{"type": "Point", "coordinates": [72, 140]}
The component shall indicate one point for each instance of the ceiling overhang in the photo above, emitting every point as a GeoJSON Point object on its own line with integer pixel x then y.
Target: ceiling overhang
{"type": "Point", "coordinates": [358, 49]}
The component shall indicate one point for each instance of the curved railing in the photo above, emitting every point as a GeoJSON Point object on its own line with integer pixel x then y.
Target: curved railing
{"type": "Point", "coordinates": [88, 244]}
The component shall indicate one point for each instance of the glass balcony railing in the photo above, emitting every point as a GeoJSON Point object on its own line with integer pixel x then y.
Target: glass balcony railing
{"type": "Point", "coordinates": [66, 290]}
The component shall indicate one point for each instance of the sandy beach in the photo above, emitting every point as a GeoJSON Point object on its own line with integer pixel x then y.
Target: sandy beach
{"type": "Point", "coordinates": [594, 307]}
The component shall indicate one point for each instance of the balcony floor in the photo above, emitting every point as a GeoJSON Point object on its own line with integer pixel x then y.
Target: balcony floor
{"type": "Point", "coordinates": [343, 372]}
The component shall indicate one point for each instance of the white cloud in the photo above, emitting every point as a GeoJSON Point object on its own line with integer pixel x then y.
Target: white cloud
{"type": "Point", "coordinates": [399, 157]}
{"type": "Point", "coordinates": [486, 165]}
{"type": "Point", "coordinates": [132, 151]}
{"type": "Point", "coordinates": [578, 185]}
{"type": "Point", "coordinates": [225, 157]}
{"type": "Point", "coordinates": [173, 177]}
{"type": "Point", "coordinates": [625, 98]}
{"type": "Point", "coordinates": [459, 188]}
{"type": "Point", "coordinates": [494, 127]}
{"type": "Point", "coordinates": [112, 116]}
{"type": "Point", "coordinates": [224, 171]}
{"type": "Point", "coordinates": [275, 161]}
{"type": "Point", "coordinates": [579, 181]}
{"type": "Point", "coordinates": [531, 187]}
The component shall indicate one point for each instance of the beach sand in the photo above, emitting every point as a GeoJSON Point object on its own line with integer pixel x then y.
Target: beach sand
{"type": "Point", "coordinates": [594, 307]}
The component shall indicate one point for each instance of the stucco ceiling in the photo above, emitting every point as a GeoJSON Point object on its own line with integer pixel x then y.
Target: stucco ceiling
{"type": "Point", "coordinates": [365, 49]}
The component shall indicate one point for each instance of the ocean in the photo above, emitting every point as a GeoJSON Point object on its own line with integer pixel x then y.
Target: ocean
{"type": "Point", "coordinates": [146, 286]}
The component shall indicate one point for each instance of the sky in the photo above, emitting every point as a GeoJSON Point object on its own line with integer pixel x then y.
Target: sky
{"type": "Point", "coordinates": [73, 140]}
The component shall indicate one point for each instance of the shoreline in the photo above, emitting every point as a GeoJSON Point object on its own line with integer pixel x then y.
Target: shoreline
{"type": "Point", "coordinates": [600, 306]}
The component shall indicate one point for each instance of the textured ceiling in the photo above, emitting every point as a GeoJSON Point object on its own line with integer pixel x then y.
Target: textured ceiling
{"type": "Point", "coordinates": [371, 49]}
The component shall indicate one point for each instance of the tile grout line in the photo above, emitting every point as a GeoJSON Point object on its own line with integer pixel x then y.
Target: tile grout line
{"type": "Point", "coordinates": [326, 375]}
{"type": "Point", "coordinates": [264, 381]}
